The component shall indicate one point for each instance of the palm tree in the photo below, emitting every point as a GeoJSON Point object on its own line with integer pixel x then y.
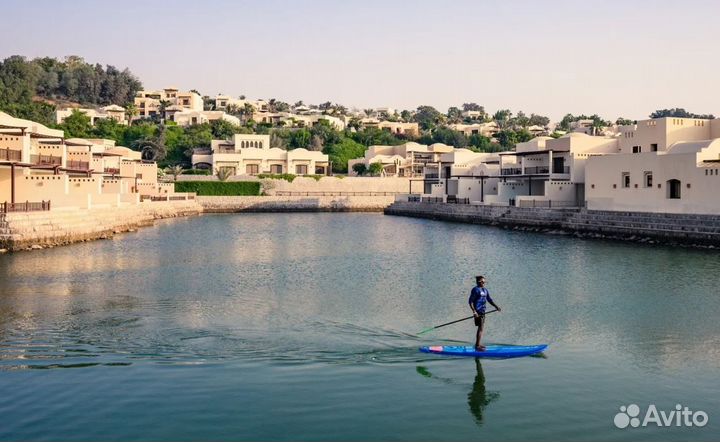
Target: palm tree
{"type": "Point", "coordinates": [223, 173]}
{"type": "Point", "coordinates": [174, 171]}
{"type": "Point", "coordinates": [368, 112]}
{"type": "Point", "coordinates": [130, 112]}
{"type": "Point", "coordinates": [162, 107]}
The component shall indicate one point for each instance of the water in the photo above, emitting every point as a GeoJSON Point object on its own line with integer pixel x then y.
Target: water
{"type": "Point", "coordinates": [303, 327]}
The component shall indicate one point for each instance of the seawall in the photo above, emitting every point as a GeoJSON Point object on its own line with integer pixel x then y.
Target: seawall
{"type": "Point", "coordinates": [34, 230]}
{"type": "Point", "coordinates": [340, 203]}
{"type": "Point", "coordinates": [668, 228]}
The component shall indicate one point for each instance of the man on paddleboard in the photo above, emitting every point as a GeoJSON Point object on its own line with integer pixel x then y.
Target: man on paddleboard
{"type": "Point", "coordinates": [479, 297]}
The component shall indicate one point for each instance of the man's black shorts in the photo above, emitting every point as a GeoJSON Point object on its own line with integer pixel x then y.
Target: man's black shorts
{"type": "Point", "coordinates": [480, 320]}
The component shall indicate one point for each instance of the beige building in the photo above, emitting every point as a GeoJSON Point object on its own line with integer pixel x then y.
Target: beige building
{"type": "Point", "coordinates": [187, 117]}
{"type": "Point", "coordinates": [40, 170]}
{"type": "Point", "coordinates": [406, 160]}
{"type": "Point", "coordinates": [485, 129]}
{"type": "Point", "coordinates": [411, 130]}
{"type": "Point", "coordinates": [249, 154]}
{"type": "Point", "coordinates": [148, 103]}
{"type": "Point", "coordinates": [112, 111]}
{"type": "Point", "coordinates": [223, 101]}
{"type": "Point", "coordinates": [663, 165]}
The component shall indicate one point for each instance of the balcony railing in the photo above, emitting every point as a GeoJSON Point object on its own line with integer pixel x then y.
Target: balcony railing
{"type": "Point", "coordinates": [77, 164]}
{"type": "Point", "coordinates": [534, 170]}
{"type": "Point", "coordinates": [45, 160]}
{"type": "Point", "coordinates": [511, 171]}
{"type": "Point", "coordinates": [565, 169]}
{"type": "Point", "coordinates": [10, 155]}
{"type": "Point", "coordinates": [112, 170]}
{"type": "Point", "coordinates": [432, 199]}
{"type": "Point", "coordinates": [27, 206]}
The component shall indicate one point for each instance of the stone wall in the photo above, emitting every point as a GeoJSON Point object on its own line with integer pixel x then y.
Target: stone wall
{"type": "Point", "coordinates": [231, 204]}
{"type": "Point", "coordinates": [636, 226]}
{"type": "Point", "coordinates": [32, 230]}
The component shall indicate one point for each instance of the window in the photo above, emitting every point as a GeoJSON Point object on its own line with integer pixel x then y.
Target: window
{"type": "Point", "coordinates": [653, 147]}
{"type": "Point", "coordinates": [301, 169]}
{"type": "Point", "coordinates": [626, 179]}
{"type": "Point", "coordinates": [276, 168]}
{"type": "Point", "coordinates": [648, 179]}
{"type": "Point", "coordinates": [673, 189]}
{"type": "Point", "coordinates": [637, 149]}
{"type": "Point", "coordinates": [252, 169]}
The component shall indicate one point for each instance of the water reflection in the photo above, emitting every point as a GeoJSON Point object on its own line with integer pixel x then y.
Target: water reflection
{"type": "Point", "coordinates": [478, 398]}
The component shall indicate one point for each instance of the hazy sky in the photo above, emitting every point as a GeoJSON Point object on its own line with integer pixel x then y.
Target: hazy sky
{"type": "Point", "coordinates": [614, 58]}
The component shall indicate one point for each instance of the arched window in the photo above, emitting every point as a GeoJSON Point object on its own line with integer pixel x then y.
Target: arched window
{"type": "Point", "coordinates": [242, 144]}
{"type": "Point", "coordinates": [261, 144]}
{"type": "Point", "coordinates": [673, 189]}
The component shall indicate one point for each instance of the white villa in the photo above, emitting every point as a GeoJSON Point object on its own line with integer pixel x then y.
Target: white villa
{"type": "Point", "coordinates": [251, 155]}
{"type": "Point", "coordinates": [463, 174]}
{"type": "Point", "coordinates": [663, 165]}
{"type": "Point", "coordinates": [39, 169]}
{"type": "Point", "coordinates": [223, 101]}
{"type": "Point", "coordinates": [112, 111]}
{"type": "Point", "coordinates": [406, 160]}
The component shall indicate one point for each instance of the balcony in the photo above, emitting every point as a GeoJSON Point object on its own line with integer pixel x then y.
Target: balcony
{"type": "Point", "coordinates": [10, 155]}
{"type": "Point", "coordinates": [77, 165]}
{"type": "Point", "coordinates": [565, 169]}
{"type": "Point", "coordinates": [45, 160]}
{"type": "Point", "coordinates": [112, 170]}
{"type": "Point", "coordinates": [536, 170]}
{"type": "Point", "coordinates": [511, 171]}
{"type": "Point", "coordinates": [27, 206]}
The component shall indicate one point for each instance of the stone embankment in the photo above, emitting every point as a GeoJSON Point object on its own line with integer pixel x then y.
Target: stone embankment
{"type": "Point", "coordinates": [339, 203]}
{"type": "Point", "coordinates": [667, 228]}
{"type": "Point", "coordinates": [37, 230]}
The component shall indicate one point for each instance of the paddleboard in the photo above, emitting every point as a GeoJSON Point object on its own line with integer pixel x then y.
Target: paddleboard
{"type": "Point", "coordinates": [491, 351]}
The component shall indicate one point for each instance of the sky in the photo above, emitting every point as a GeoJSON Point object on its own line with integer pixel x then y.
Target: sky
{"type": "Point", "coordinates": [613, 58]}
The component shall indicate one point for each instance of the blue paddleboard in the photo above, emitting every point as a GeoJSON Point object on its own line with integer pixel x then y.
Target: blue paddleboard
{"type": "Point", "coordinates": [491, 351]}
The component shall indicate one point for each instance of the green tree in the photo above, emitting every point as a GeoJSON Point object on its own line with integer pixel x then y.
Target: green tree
{"type": "Point", "coordinates": [375, 169]}
{"type": "Point", "coordinates": [360, 169]}
{"type": "Point", "coordinates": [454, 115]}
{"type": "Point", "coordinates": [624, 122]}
{"type": "Point", "coordinates": [109, 129]}
{"type": "Point", "coordinates": [678, 112]}
{"type": "Point", "coordinates": [300, 139]}
{"type": "Point", "coordinates": [428, 117]}
{"type": "Point", "coordinates": [340, 153]}
{"type": "Point", "coordinates": [76, 125]}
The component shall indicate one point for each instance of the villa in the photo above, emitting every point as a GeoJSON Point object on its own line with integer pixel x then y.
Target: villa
{"type": "Point", "coordinates": [406, 160]}
{"type": "Point", "coordinates": [149, 103]}
{"type": "Point", "coordinates": [112, 111]}
{"type": "Point", "coordinates": [485, 129]}
{"type": "Point", "coordinates": [663, 165]}
{"type": "Point", "coordinates": [39, 169]}
{"type": "Point", "coordinates": [410, 130]}
{"type": "Point", "coordinates": [249, 154]}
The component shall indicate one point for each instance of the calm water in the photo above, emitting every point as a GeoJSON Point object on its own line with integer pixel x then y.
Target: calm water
{"type": "Point", "coordinates": [303, 327]}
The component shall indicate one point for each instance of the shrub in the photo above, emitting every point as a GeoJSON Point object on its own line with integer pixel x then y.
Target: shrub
{"type": "Point", "coordinates": [215, 188]}
{"type": "Point", "coordinates": [196, 172]}
{"type": "Point", "coordinates": [282, 176]}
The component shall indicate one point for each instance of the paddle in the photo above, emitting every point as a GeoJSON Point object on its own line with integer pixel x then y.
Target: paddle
{"type": "Point", "coordinates": [452, 322]}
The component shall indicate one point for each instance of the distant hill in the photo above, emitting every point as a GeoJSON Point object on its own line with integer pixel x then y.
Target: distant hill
{"type": "Point", "coordinates": [33, 88]}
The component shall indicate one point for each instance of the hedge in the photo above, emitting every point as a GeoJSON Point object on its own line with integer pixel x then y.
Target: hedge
{"type": "Point", "coordinates": [219, 188]}
{"type": "Point", "coordinates": [196, 172]}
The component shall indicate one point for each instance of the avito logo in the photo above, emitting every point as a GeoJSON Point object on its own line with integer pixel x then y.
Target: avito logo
{"type": "Point", "coordinates": [679, 417]}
